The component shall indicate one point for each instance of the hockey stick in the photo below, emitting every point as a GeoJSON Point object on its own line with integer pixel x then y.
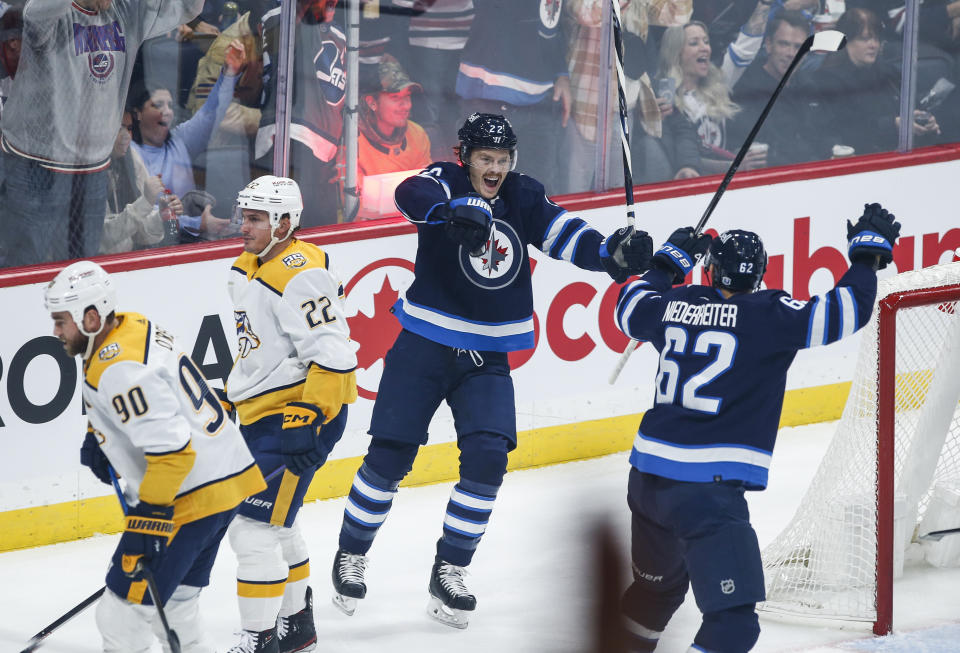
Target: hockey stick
{"type": "Point", "coordinates": [170, 634]}
{"type": "Point", "coordinates": [826, 41]}
{"type": "Point", "coordinates": [627, 162]}
{"type": "Point", "coordinates": [622, 105]}
{"type": "Point", "coordinates": [936, 536]}
{"type": "Point", "coordinates": [37, 639]}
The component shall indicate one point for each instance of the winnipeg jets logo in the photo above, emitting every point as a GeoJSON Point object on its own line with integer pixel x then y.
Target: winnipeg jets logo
{"type": "Point", "coordinates": [101, 64]}
{"type": "Point", "coordinates": [329, 66]}
{"type": "Point", "coordinates": [500, 262]}
{"type": "Point", "coordinates": [247, 340]}
{"type": "Point", "coordinates": [550, 13]}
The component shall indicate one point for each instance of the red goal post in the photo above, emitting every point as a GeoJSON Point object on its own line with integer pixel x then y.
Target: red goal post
{"type": "Point", "coordinates": [894, 457]}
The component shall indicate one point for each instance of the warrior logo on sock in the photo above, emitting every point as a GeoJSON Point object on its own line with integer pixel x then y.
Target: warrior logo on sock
{"type": "Point", "coordinates": [500, 262]}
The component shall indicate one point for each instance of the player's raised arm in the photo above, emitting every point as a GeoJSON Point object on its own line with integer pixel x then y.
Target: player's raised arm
{"type": "Point", "coordinates": [847, 307]}
{"type": "Point", "coordinates": [639, 307]}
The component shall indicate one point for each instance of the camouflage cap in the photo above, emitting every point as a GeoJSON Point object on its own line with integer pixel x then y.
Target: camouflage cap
{"type": "Point", "coordinates": [386, 77]}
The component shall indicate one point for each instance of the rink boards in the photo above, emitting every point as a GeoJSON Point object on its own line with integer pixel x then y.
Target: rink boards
{"type": "Point", "coordinates": [565, 408]}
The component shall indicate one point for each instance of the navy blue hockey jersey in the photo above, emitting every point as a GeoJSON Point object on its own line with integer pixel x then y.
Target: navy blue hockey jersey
{"type": "Point", "coordinates": [723, 369]}
{"type": "Point", "coordinates": [484, 303]}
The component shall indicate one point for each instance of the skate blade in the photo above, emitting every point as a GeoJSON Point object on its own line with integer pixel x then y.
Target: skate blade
{"type": "Point", "coordinates": [446, 615]}
{"type": "Point", "coordinates": [346, 604]}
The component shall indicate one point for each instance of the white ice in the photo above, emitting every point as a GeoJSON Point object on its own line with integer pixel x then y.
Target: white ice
{"type": "Point", "coordinates": [531, 575]}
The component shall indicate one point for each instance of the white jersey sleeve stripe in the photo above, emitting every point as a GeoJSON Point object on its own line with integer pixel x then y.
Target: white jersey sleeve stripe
{"type": "Point", "coordinates": [571, 247]}
{"type": "Point", "coordinates": [817, 333]}
{"type": "Point", "coordinates": [554, 229]}
{"type": "Point", "coordinates": [848, 311]}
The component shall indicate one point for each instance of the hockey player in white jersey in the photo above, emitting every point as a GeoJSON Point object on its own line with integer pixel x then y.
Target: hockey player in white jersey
{"type": "Point", "coordinates": [291, 381]}
{"type": "Point", "coordinates": [185, 467]}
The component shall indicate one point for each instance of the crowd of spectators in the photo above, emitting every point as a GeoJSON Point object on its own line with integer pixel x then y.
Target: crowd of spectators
{"type": "Point", "coordinates": [157, 112]}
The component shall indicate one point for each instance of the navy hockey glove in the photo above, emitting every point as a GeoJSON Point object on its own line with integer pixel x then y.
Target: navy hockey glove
{"type": "Point", "coordinates": [304, 442]}
{"type": "Point", "coordinates": [626, 252]}
{"type": "Point", "coordinates": [872, 238]}
{"type": "Point", "coordinates": [682, 251]}
{"type": "Point", "coordinates": [149, 528]}
{"type": "Point", "coordinates": [468, 220]}
{"type": "Point", "coordinates": [93, 457]}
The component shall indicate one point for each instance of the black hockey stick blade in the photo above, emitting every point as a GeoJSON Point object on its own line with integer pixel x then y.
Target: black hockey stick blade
{"type": "Point", "coordinates": [171, 634]}
{"type": "Point", "coordinates": [37, 639]}
{"type": "Point", "coordinates": [936, 536]}
{"type": "Point", "coordinates": [826, 41]}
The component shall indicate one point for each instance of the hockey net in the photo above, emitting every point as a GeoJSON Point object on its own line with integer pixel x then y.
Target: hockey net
{"type": "Point", "coordinates": [891, 471]}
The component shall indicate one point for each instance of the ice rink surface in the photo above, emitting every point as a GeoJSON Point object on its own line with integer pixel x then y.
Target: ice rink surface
{"type": "Point", "coordinates": [532, 574]}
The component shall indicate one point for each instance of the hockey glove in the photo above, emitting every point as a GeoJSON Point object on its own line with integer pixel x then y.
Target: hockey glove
{"type": "Point", "coordinates": [93, 457]}
{"type": "Point", "coordinates": [149, 528]}
{"type": "Point", "coordinates": [872, 238]}
{"type": "Point", "coordinates": [626, 252]}
{"type": "Point", "coordinates": [682, 251]}
{"type": "Point", "coordinates": [302, 443]}
{"type": "Point", "coordinates": [469, 222]}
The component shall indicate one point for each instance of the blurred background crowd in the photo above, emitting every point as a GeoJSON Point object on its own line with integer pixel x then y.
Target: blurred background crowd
{"type": "Point", "coordinates": [132, 124]}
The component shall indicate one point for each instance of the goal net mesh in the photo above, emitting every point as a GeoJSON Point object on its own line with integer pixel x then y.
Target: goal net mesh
{"type": "Point", "coordinates": [824, 563]}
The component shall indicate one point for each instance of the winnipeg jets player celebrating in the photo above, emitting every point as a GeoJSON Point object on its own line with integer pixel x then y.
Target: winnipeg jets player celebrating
{"type": "Point", "coordinates": [470, 303]}
{"type": "Point", "coordinates": [291, 381]}
{"type": "Point", "coordinates": [724, 355]}
{"type": "Point", "coordinates": [185, 466]}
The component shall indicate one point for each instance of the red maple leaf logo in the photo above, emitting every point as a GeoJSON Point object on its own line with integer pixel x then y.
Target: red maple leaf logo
{"type": "Point", "coordinates": [375, 334]}
{"type": "Point", "coordinates": [498, 255]}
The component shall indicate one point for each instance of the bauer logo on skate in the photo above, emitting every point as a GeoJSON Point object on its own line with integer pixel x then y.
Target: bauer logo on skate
{"type": "Point", "coordinates": [499, 265]}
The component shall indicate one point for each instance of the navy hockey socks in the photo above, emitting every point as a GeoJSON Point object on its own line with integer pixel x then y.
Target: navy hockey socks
{"type": "Point", "coordinates": [367, 507]}
{"type": "Point", "coordinates": [468, 512]}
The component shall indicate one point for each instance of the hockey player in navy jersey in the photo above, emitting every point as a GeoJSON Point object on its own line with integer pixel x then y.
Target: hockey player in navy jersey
{"type": "Point", "coordinates": [469, 305]}
{"type": "Point", "coordinates": [724, 354]}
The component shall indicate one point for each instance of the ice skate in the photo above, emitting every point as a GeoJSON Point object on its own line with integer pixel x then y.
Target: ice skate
{"type": "Point", "coordinates": [265, 641]}
{"type": "Point", "coordinates": [348, 585]}
{"type": "Point", "coordinates": [298, 631]}
{"type": "Point", "coordinates": [450, 601]}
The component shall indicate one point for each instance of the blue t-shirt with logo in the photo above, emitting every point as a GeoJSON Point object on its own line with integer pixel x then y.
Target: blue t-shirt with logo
{"type": "Point", "coordinates": [484, 303]}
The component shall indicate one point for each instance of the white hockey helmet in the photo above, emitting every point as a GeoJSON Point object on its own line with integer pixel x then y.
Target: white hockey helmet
{"type": "Point", "coordinates": [76, 288]}
{"type": "Point", "coordinates": [278, 196]}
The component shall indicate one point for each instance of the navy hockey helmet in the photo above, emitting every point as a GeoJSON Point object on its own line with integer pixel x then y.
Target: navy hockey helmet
{"type": "Point", "coordinates": [490, 131]}
{"type": "Point", "coordinates": [739, 260]}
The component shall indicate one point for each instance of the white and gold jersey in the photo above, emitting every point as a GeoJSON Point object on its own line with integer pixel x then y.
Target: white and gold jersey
{"type": "Point", "coordinates": [161, 427]}
{"type": "Point", "coordinates": [290, 325]}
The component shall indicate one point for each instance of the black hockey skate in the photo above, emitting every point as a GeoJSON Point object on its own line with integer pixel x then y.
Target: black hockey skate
{"type": "Point", "coordinates": [298, 632]}
{"type": "Point", "coordinates": [348, 585]}
{"type": "Point", "coordinates": [450, 601]}
{"type": "Point", "coordinates": [266, 641]}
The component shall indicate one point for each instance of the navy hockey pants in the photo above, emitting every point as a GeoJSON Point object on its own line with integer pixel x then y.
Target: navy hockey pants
{"type": "Point", "coordinates": [418, 375]}
{"type": "Point", "coordinates": [283, 498]}
{"type": "Point", "coordinates": [188, 560]}
{"type": "Point", "coordinates": [695, 534]}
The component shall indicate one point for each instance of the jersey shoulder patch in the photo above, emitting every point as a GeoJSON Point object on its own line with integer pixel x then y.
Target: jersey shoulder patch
{"type": "Point", "coordinates": [299, 256]}
{"type": "Point", "coordinates": [129, 341]}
